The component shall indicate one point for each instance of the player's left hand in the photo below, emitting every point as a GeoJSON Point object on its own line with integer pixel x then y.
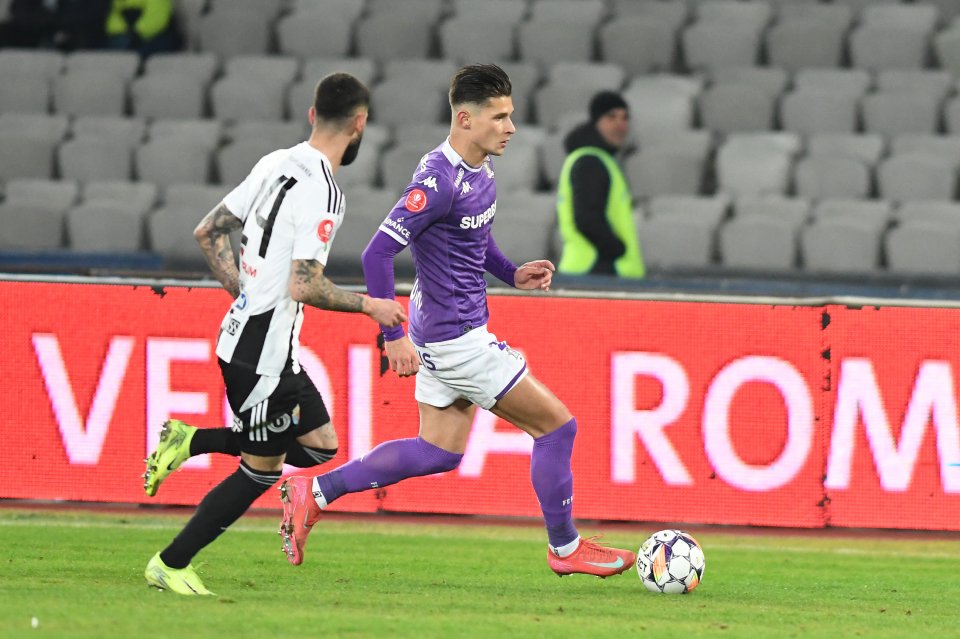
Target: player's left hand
{"type": "Point", "coordinates": [533, 275]}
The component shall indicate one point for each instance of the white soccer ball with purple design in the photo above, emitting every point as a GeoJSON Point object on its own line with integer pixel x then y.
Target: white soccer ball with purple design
{"type": "Point", "coordinates": [670, 561]}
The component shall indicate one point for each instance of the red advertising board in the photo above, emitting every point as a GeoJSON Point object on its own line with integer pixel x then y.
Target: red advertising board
{"type": "Point", "coordinates": [688, 411]}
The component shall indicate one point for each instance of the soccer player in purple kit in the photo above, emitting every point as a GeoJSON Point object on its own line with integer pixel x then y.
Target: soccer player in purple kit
{"type": "Point", "coordinates": [445, 216]}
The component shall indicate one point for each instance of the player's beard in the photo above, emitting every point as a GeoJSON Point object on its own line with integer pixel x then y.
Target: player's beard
{"type": "Point", "coordinates": [350, 153]}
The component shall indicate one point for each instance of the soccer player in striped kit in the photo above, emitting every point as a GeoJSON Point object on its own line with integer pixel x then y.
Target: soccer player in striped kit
{"type": "Point", "coordinates": [445, 216]}
{"type": "Point", "coordinates": [289, 209]}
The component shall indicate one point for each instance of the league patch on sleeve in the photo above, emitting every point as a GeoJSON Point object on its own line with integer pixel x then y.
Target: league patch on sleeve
{"type": "Point", "coordinates": [324, 229]}
{"type": "Point", "coordinates": [416, 201]}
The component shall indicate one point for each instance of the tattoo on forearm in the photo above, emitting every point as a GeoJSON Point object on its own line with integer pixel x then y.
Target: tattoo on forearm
{"type": "Point", "coordinates": [317, 290]}
{"type": "Point", "coordinates": [214, 238]}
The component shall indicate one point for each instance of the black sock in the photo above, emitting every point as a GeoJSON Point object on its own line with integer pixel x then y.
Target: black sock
{"type": "Point", "coordinates": [214, 440]}
{"type": "Point", "coordinates": [305, 456]}
{"type": "Point", "coordinates": [221, 507]}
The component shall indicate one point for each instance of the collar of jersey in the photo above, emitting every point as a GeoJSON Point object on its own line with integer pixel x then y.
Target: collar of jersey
{"type": "Point", "coordinates": [316, 154]}
{"type": "Point", "coordinates": [454, 158]}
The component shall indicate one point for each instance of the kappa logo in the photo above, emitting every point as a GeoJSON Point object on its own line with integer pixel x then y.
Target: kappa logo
{"type": "Point", "coordinates": [324, 230]}
{"type": "Point", "coordinates": [430, 182]}
{"type": "Point", "coordinates": [416, 201]}
{"type": "Point", "coordinates": [466, 188]}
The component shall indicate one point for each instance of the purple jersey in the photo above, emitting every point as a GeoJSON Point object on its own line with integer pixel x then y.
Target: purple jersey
{"type": "Point", "coordinates": [445, 216]}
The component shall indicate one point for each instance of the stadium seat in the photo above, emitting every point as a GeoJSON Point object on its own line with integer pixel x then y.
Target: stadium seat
{"type": "Point", "coordinates": [200, 197]}
{"type": "Point", "coordinates": [759, 243]}
{"type": "Point", "coordinates": [753, 15]}
{"type": "Point", "coordinates": [202, 66]}
{"type": "Point", "coordinates": [398, 102]}
{"type": "Point", "coordinates": [168, 95]}
{"type": "Point", "coordinates": [90, 92]}
{"type": "Point", "coordinates": [297, 34]}
{"type": "Point", "coordinates": [664, 171]}
{"type": "Point", "coordinates": [586, 12]}
{"type": "Point", "coordinates": [545, 42]}
{"type": "Point", "coordinates": [173, 160]}
{"type": "Point", "coordinates": [841, 246]}
{"type": "Point", "coordinates": [570, 86]}
{"type": "Point", "coordinates": [513, 11]}
{"type": "Point", "coordinates": [929, 211]}
{"type": "Point", "coordinates": [824, 176]}
{"type": "Point", "coordinates": [661, 102]}
{"type": "Point", "coordinates": [29, 228]}
{"type": "Point", "coordinates": [670, 242]}
{"type": "Point", "coordinates": [947, 46]}
{"type": "Point", "coordinates": [366, 209]}
{"type": "Point", "coordinates": [435, 73]}
{"type": "Point", "coordinates": [50, 195]}
{"type": "Point", "coordinates": [855, 82]}
{"type": "Point", "coordinates": [348, 10]}
{"type": "Point", "coordinates": [889, 47]}
{"type": "Point", "coordinates": [912, 16]}
{"type": "Point", "coordinates": [92, 159]}
{"type": "Point", "coordinates": [794, 210]}
{"type": "Point", "coordinates": [810, 111]}
{"type": "Point", "coordinates": [837, 15]}
{"type": "Point", "coordinates": [698, 142]}
{"type": "Point", "coordinates": [709, 46]}
{"type": "Point", "coordinates": [427, 10]}
{"type": "Point", "coordinates": [206, 133]}
{"type": "Point", "coordinates": [365, 170]}
{"type": "Point", "coordinates": [315, 69]}
{"type": "Point", "coordinates": [235, 160]}
{"type": "Point", "coordinates": [916, 176]}
{"type": "Point", "coordinates": [709, 211]}
{"type": "Point", "coordinates": [895, 113]}
{"type": "Point", "coordinates": [945, 147]}
{"type": "Point", "coordinates": [735, 108]}
{"type": "Point", "coordinates": [924, 247]}
{"type": "Point", "coordinates": [36, 126]}
{"type": "Point", "coordinates": [771, 80]}
{"type": "Point", "coordinates": [383, 37]}
{"type": "Point", "coordinates": [874, 213]}
{"type": "Point", "coordinates": [426, 136]}
{"type": "Point", "coordinates": [44, 63]}
{"type": "Point", "coordinates": [129, 131]}
{"type": "Point", "coordinates": [135, 198]}
{"type": "Point", "coordinates": [676, 13]}
{"type": "Point", "coordinates": [866, 147]}
{"type": "Point", "coordinates": [187, 13]}
{"type": "Point", "coordinates": [467, 39]}
{"type": "Point", "coordinates": [799, 44]}
{"type": "Point", "coordinates": [32, 95]}
{"type": "Point", "coordinates": [282, 68]}
{"type": "Point", "coordinates": [757, 170]}
{"type": "Point", "coordinates": [218, 33]}
{"type": "Point", "coordinates": [239, 98]}
{"type": "Point", "coordinates": [103, 227]}
{"type": "Point", "coordinates": [951, 115]}
{"type": "Point", "coordinates": [170, 234]}
{"type": "Point", "coordinates": [639, 44]}
{"type": "Point", "coordinates": [274, 134]}
{"type": "Point", "coordinates": [949, 10]}
{"type": "Point", "coordinates": [525, 225]}
{"type": "Point", "coordinates": [525, 78]}
{"type": "Point", "coordinates": [933, 82]}
{"type": "Point", "coordinates": [398, 164]}
{"type": "Point", "coordinates": [518, 167]}
{"type": "Point", "coordinates": [122, 65]}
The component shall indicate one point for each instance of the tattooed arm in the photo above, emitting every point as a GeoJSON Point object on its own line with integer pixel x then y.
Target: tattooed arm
{"type": "Point", "coordinates": [310, 286]}
{"type": "Point", "coordinates": [213, 235]}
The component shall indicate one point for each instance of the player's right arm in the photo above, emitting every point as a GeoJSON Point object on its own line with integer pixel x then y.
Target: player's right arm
{"type": "Point", "coordinates": [213, 235]}
{"type": "Point", "coordinates": [310, 286]}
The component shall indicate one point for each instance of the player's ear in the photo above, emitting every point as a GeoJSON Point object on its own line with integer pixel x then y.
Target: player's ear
{"type": "Point", "coordinates": [312, 116]}
{"type": "Point", "coordinates": [463, 118]}
{"type": "Point", "coordinates": [360, 120]}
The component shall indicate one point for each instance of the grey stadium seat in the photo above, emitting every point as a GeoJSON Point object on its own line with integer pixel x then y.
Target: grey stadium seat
{"type": "Point", "coordinates": [753, 15]}
{"type": "Point", "coordinates": [894, 113]}
{"type": "Point", "coordinates": [234, 161]}
{"type": "Point", "coordinates": [840, 246]}
{"type": "Point", "coordinates": [383, 37]}
{"type": "Point", "coordinates": [90, 92]}
{"type": "Point", "coordinates": [25, 157]}
{"type": "Point", "coordinates": [916, 16]}
{"type": "Point", "coordinates": [524, 77]}
{"type": "Point", "coordinates": [32, 95]}
{"type": "Point", "coordinates": [951, 114]}
{"type": "Point", "coordinates": [570, 86]}
{"type": "Point", "coordinates": [117, 128]}
{"type": "Point", "coordinates": [805, 44]}
{"type": "Point", "coordinates": [51, 195]}
{"type": "Point", "coordinates": [759, 243]}
{"type": "Point", "coordinates": [847, 81]}
{"type": "Point", "coordinates": [235, 98]}
{"type": "Point", "coordinates": [27, 228]}
{"type": "Point", "coordinates": [465, 40]}
{"type": "Point", "coordinates": [435, 73]}
{"type": "Point", "coordinates": [90, 159]}
{"type": "Point", "coordinates": [545, 42]}
{"type": "Point", "coordinates": [348, 10]}
{"type": "Point", "coordinates": [735, 108]}
{"type": "Point", "coordinates": [664, 171]}
{"type": "Point", "coordinates": [398, 164]}
{"type": "Point", "coordinates": [427, 10]}
{"type": "Point", "coordinates": [822, 176]}
{"type": "Point", "coordinates": [589, 12]}
{"type": "Point", "coordinates": [199, 65]}
{"type": "Point", "coordinates": [769, 79]}
{"type": "Point", "coordinates": [917, 176]}
{"type": "Point", "coordinates": [274, 134]}
{"type": "Point", "coordinates": [752, 171]}
{"type": "Point", "coordinates": [317, 68]}
{"type": "Point", "coordinates": [794, 210]}
{"type": "Point", "coordinates": [122, 65]}
{"type": "Point", "coordinates": [207, 133]}
{"type": "Point", "coordinates": [811, 111]}
{"type": "Point", "coordinates": [889, 47]}
{"type": "Point", "coordinates": [45, 63]}
{"type": "Point", "coordinates": [365, 170]}
{"type": "Point", "coordinates": [524, 226]}
{"type": "Point", "coordinates": [173, 160]}
{"type": "Point", "coordinates": [133, 197]}
{"type": "Point", "coordinates": [946, 147]}
{"type": "Point", "coordinates": [707, 210]}
{"type": "Point", "coordinates": [170, 234]}
{"type": "Point", "coordinates": [512, 10]}
{"type": "Point", "coordinates": [658, 104]}
{"type": "Point", "coordinates": [218, 33]}
{"type": "Point", "coordinates": [674, 12]}
{"type": "Point", "coordinates": [35, 126]}
{"type": "Point", "coordinates": [839, 15]}
{"type": "Point", "coordinates": [104, 227]}
{"type": "Point", "coordinates": [924, 247]}
{"type": "Point", "coordinates": [676, 242]}
{"type": "Point", "coordinates": [518, 167]}
{"type": "Point", "coordinates": [283, 68]}
{"type": "Point", "coordinates": [201, 197]}
{"type": "Point", "coordinates": [639, 44]}
{"type": "Point", "coordinates": [866, 147]}
{"type": "Point", "coordinates": [366, 209]}
{"type": "Point", "coordinates": [425, 136]}
{"type": "Point", "coordinates": [398, 102]}
{"type": "Point", "coordinates": [933, 82]}
{"type": "Point", "coordinates": [169, 95]}
{"type": "Point", "coordinates": [947, 46]}
{"type": "Point", "coordinates": [927, 211]}
{"type": "Point", "coordinates": [297, 34]}
{"type": "Point", "coordinates": [874, 213]}
{"type": "Point", "coordinates": [713, 45]}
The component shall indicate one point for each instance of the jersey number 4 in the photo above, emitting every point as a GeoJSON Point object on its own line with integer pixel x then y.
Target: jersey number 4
{"type": "Point", "coordinates": [280, 186]}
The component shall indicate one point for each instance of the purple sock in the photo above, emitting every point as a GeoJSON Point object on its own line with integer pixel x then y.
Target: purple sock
{"type": "Point", "coordinates": [553, 482]}
{"type": "Point", "coordinates": [387, 464]}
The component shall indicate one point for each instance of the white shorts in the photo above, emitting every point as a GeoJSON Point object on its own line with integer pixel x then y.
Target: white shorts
{"type": "Point", "coordinates": [475, 366]}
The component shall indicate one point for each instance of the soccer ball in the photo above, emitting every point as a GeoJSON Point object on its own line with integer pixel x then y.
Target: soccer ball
{"type": "Point", "coordinates": [670, 561]}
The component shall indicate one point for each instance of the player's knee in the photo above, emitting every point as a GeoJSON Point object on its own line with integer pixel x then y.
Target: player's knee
{"type": "Point", "coordinates": [438, 460]}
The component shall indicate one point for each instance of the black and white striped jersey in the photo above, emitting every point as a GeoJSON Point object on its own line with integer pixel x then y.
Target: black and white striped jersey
{"type": "Point", "coordinates": [291, 208]}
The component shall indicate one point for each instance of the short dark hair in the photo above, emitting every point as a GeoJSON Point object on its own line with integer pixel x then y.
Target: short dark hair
{"type": "Point", "coordinates": [338, 96]}
{"type": "Point", "coordinates": [477, 83]}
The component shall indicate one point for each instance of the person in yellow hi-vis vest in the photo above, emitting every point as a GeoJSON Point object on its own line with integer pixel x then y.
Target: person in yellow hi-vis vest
{"type": "Point", "coordinates": [145, 26]}
{"type": "Point", "coordinates": [594, 204]}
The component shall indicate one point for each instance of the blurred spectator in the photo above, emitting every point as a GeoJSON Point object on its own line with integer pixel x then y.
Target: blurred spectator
{"type": "Point", "coordinates": [145, 26]}
{"type": "Point", "coordinates": [594, 202]}
{"type": "Point", "coordinates": [64, 24]}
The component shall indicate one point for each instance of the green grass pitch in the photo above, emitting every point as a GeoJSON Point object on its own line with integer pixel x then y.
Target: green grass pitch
{"type": "Point", "coordinates": [80, 574]}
